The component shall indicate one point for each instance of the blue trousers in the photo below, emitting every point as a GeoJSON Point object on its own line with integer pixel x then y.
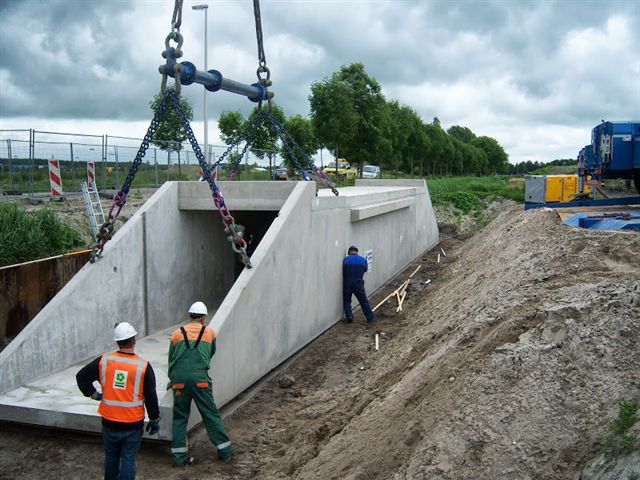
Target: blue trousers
{"type": "Point", "coordinates": [356, 288]}
{"type": "Point", "coordinates": [120, 450]}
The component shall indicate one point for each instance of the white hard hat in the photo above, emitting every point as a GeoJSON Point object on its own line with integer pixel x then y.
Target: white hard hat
{"type": "Point", "coordinates": [123, 331]}
{"type": "Point", "coordinates": [198, 308]}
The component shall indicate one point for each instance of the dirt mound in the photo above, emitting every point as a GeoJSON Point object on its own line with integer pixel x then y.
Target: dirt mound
{"type": "Point", "coordinates": [509, 363]}
{"type": "Point", "coordinates": [524, 351]}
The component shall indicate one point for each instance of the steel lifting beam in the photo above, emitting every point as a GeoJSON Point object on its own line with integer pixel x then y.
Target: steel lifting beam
{"type": "Point", "coordinates": [214, 81]}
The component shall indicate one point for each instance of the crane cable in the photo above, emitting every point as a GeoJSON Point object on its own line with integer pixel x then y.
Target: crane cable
{"type": "Point", "coordinates": [263, 73]}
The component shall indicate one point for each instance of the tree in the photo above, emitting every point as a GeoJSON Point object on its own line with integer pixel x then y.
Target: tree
{"type": "Point", "coordinates": [461, 133]}
{"type": "Point", "coordinates": [266, 137]}
{"type": "Point", "coordinates": [230, 125]}
{"type": "Point", "coordinates": [263, 137]}
{"type": "Point", "coordinates": [497, 158]}
{"type": "Point", "coordinates": [333, 118]}
{"type": "Point", "coordinates": [302, 131]}
{"type": "Point", "coordinates": [346, 111]}
{"type": "Point", "coordinates": [395, 134]}
{"type": "Point", "coordinates": [170, 133]}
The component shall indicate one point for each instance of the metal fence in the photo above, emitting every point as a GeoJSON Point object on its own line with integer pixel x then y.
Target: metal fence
{"type": "Point", "coordinates": [24, 156]}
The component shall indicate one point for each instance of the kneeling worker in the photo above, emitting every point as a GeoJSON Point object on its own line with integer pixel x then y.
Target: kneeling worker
{"type": "Point", "coordinates": [192, 347]}
{"type": "Point", "coordinates": [128, 385]}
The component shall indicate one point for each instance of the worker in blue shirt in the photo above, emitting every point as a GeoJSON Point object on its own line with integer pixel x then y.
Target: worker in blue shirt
{"type": "Point", "coordinates": [353, 269]}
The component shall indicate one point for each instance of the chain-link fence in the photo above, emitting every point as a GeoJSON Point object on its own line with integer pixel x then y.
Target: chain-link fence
{"type": "Point", "coordinates": [25, 155]}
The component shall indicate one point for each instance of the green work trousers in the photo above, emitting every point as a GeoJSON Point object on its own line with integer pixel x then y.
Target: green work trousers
{"type": "Point", "coordinates": [202, 394]}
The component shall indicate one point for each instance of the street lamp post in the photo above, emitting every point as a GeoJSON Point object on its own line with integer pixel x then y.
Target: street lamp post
{"type": "Point", "coordinates": [205, 7]}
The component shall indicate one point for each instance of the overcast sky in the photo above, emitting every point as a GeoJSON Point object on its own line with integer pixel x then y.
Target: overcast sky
{"type": "Point", "coordinates": [537, 76]}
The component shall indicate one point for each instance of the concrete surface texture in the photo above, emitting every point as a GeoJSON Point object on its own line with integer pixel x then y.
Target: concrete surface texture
{"type": "Point", "coordinates": [173, 251]}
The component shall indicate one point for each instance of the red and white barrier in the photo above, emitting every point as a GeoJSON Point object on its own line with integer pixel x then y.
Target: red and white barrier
{"type": "Point", "coordinates": [91, 173]}
{"type": "Point", "coordinates": [55, 179]}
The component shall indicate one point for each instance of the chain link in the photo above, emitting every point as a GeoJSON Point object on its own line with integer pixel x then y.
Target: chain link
{"type": "Point", "coordinates": [234, 232]}
{"type": "Point", "coordinates": [262, 61]}
{"type": "Point", "coordinates": [265, 80]}
{"type": "Point", "coordinates": [176, 20]}
{"type": "Point", "coordinates": [119, 200]}
{"type": "Point", "coordinates": [171, 54]}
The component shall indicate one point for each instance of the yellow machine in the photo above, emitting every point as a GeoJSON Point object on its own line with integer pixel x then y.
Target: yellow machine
{"type": "Point", "coordinates": [552, 188]}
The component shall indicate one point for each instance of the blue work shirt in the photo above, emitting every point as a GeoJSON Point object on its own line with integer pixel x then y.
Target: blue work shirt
{"type": "Point", "coordinates": [353, 268]}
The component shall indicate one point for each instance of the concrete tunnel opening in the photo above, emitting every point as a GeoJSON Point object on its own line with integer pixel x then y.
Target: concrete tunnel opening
{"type": "Point", "coordinates": [256, 223]}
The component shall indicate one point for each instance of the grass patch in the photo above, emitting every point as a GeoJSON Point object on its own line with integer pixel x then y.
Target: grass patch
{"type": "Point", "coordinates": [465, 193]}
{"type": "Point", "coordinates": [28, 236]}
{"type": "Point", "coordinates": [621, 441]}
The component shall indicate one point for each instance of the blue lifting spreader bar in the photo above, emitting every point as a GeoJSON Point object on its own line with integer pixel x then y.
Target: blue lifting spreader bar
{"type": "Point", "coordinates": [214, 81]}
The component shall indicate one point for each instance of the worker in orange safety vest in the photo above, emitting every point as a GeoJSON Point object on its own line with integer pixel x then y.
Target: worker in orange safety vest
{"type": "Point", "coordinates": [128, 386]}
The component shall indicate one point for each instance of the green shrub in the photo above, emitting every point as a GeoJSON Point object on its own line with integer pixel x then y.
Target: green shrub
{"type": "Point", "coordinates": [620, 441]}
{"type": "Point", "coordinates": [28, 236]}
{"type": "Point", "coordinates": [463, 201]}
{"type": "Point", "coordinates": [497, 186]}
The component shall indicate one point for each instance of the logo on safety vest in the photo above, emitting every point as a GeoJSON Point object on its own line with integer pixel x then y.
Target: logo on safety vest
{"type": "Point", "coordinates": [120, 379]}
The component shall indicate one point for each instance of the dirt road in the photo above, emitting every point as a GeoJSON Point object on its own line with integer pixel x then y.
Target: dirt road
{"type": "Point", "coordinates": [509, 364]}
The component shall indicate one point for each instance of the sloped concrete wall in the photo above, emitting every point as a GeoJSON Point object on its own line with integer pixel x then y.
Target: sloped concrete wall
{"type": "Point", "coordinates": [155, 264]}
{"type": "Point", "coordinates": [293, 293]}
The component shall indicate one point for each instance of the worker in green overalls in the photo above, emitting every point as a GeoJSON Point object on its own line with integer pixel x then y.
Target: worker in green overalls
{"type": "Point", "coordinates": [190, 352]}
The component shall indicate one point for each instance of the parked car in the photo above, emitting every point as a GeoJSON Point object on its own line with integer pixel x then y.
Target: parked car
{"type": "Point", "coordinates": [280, 173]}
{"type": "Point", "coordinates": [342, 169]}
{"type": "Point", "coordinates": [371, 171]}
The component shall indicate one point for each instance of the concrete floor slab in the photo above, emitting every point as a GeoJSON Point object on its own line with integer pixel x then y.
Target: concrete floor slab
{"type": "Point", "coordinates": [55, 401]}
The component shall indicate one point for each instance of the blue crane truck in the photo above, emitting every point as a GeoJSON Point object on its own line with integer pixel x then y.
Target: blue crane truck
{"type": "Point", "coordinates": [614, 153]}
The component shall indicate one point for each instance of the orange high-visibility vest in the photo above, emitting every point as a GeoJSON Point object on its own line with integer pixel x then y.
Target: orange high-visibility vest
{"type": "Point", "coordinates": [122, 380]}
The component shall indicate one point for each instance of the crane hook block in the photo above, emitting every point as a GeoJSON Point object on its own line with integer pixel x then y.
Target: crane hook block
{"type": "Point", "coordinates": [213, 81]}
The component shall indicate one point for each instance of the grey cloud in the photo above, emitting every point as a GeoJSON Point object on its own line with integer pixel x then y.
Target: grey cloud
{"type": "Point", "coordinates": [402, 44]}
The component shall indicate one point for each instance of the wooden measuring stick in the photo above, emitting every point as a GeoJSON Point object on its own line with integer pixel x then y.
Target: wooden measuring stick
{"type": "Point", "coordinates": [385, 299]}
{"type": "Point", "coordinates": [400, 300]}
{"type": "Point", "coordinates": [403, 287]}
{"type": "Point", "coordinates": [398, 291]}
{"type": "Point", "coordinates": [415, 271]}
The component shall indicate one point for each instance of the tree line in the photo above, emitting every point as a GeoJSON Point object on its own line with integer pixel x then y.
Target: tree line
{"type": "Point", "coordinates": [350, 117]}
{"type": "Point", "coordinates": [523, 168]}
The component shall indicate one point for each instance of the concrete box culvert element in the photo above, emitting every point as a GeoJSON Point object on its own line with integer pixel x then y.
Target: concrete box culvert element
{"type": "Point", "coordinates": [173, 252]}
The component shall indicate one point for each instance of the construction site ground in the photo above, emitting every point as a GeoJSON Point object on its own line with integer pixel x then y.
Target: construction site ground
{"type": "Point", "coordinates": [509, 364]}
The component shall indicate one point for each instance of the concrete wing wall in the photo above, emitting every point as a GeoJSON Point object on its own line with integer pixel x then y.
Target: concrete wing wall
{"type": "Point", "coordinates": [254, 321]}
{"type": "Point", "coordinates": [143, 286]}
{"type": "Point", "coordinates": [293, 292]}
{"type": "Point", "coordinates": [78, 322]}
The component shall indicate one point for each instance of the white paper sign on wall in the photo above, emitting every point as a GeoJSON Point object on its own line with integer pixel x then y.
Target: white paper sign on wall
{"type": "Point", "coordinates": [368, 254]}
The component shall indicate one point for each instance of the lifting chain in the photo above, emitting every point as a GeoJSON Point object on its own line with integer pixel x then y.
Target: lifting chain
{"type": "Point", "coordinates": [233, 231]}
{"type": "Point", "coordinates": [263, 72]}
{"type": "Point", "coordinates": [286, 138]}
{"type": "Point", "coordinates": [171, 54]}
{"type": "Point", "coordinates": [106, 230]}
